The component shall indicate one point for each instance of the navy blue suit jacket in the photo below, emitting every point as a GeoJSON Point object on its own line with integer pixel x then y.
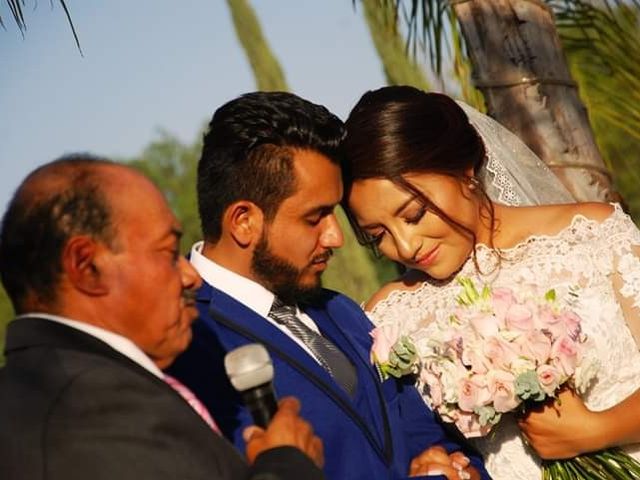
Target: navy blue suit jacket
{"type": "Point", "coordinates": [373, 435]}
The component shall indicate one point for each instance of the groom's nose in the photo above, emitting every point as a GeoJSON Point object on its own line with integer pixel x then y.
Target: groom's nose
{"type": "Point", "coordinates": [331, 236]}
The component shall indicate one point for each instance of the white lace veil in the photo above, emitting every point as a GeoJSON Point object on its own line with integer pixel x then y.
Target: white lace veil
{"type": "Point", "coordinates": [512, 173]}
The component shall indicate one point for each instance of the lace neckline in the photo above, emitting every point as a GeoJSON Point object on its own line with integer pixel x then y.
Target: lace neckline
{"type": "Point", "coordinates": [577, 220]}
{"type": "Point", "coordinates": [487, 258]}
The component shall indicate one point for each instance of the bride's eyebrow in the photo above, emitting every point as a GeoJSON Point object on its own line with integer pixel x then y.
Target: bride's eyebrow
{"type": "Point", "coordinates": [397, 212]}
{"type": "Point", "coordinates": [404, 205]}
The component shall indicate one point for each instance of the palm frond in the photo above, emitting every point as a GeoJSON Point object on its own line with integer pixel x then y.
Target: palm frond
{"type": "Point", "coordinates": [611, 54]}
{"type": "Point", "coordinates": [17, 12]}
{"type": "Point", "coordinates": [426, 22]}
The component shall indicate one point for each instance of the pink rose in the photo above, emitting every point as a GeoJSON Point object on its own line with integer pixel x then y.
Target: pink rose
{"type": "Point", "coordinates": [571, 322]}
{"type": "Point", "coordinates": [502, 390]}
{"type": "Point", "coordinates": [486, 324]}
{"type": "Point", "coordinates": [499, 352]}
{"type": "Point", "coordinates": [519, 318]}
{"type": "Point", "coordinates": [501, 301]}
{"type": "Point", "coordinates": [549, 378]}
{"type": "Point", "coordinates": [564, 352]}
{"type": "Point", "coordinates": [473, 357]}
{"type": "Point", "coordinates": [384, 338]}
{"type": "Point", "coordinates": [472, 393]}
{"type": "Point", "coordinates": [549, 321]}
{"type": "Point", "coordinates": [469, 425]}
{"type": "Point", "coordinates": [535, 345]}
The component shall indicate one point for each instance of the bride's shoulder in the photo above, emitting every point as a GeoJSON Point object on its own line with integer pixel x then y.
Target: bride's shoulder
{"type": "Point", "coordinates": [590, 210]}
{"type": "Point", "coordinates": [552, 219]}
{"type": "Point", "coordinates": [410, 281]}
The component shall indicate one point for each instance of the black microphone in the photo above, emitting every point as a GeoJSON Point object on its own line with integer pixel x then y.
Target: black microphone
{"type": "Point", "coordinates": [250, 370]}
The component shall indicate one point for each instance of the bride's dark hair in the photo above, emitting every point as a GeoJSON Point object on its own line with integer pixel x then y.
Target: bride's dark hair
{"type": "Point", "coordinates": [396, 131]}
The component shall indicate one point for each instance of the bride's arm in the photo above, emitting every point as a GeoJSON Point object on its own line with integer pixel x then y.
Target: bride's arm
{"type": "Point", "coordinates": [567, 428]}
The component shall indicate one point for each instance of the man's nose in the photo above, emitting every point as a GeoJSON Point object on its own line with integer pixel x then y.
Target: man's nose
{"type": "Point", "coordinates": [332, 236]}
{"type": "Point", "coordinates": [190, 277]}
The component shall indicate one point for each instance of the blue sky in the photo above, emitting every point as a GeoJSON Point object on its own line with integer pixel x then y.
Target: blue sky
{"type": "Point", "coordinates": [158, 64]}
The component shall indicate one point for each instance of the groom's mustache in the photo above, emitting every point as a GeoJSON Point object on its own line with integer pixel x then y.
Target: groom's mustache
{"type": "Point", "coordinates": [189, 294]}
{"type": "Point", "coordinates": [322, 257]}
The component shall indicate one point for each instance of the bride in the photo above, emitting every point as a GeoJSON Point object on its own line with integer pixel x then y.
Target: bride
{"type": "Point", "coordinates": [446, 197]}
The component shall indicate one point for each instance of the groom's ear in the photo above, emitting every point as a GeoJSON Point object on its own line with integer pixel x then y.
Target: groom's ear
{"type": "Point", "coordinates": [244, 221]}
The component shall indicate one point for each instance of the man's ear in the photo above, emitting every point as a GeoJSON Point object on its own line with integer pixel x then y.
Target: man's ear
{"type": "Point", "coordinates": [244, 221]}
{"type": "Point", "coordinates": [81, 265]}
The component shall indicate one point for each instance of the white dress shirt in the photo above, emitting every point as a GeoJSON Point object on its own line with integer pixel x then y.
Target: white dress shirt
{"type": "Point", "coordinates": [246, 291]}
{"type": "Point", "coordinates": [122, 344]}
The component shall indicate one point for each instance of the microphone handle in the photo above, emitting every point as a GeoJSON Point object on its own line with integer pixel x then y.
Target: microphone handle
{"type": "Point", "coordinates": [262, 404]}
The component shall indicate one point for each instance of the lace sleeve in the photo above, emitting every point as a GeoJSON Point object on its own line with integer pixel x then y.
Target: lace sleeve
{"type": "Point", "coordinates": [624, 238]}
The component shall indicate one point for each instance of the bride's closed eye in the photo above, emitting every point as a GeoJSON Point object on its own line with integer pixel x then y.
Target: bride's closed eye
{"type": "Point", "coordinates": [415, 217]}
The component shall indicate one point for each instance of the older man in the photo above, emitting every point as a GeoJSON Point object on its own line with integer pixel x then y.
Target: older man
{"type": "Point", "coordinates": [89, 255]}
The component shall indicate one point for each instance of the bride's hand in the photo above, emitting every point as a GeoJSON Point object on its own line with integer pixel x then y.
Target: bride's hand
{"type": "Point", "coordinates": [564, 428]}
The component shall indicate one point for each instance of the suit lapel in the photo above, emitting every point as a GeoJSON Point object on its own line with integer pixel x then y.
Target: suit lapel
{"type": "Point", "coordinates": [327, 320]}
{"type": "Point", "coordinates": [227, 311]}
{"type": "Point", "coordinates": [235, 315]}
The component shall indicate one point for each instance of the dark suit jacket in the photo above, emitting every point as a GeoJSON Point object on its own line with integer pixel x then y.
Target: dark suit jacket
{"type": "Point", "coordinates": [371, 436]}
{"type": "Point", "coordinates": [71, 407]}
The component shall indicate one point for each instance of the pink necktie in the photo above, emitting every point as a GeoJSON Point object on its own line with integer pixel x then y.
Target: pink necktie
{"type": "Point", "coordinates": [192, 400]}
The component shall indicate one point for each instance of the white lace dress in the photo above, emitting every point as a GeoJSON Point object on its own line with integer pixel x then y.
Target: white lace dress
{"type": "Point", "coordinates": [591, 255]}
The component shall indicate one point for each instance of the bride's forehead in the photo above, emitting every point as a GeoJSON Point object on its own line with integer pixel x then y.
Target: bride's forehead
{"type": "Point", "coordinates": [375, 188]}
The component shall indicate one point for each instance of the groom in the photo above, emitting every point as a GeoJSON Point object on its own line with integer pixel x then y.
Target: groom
{"type": "Point", "coordinates": [268, 182]}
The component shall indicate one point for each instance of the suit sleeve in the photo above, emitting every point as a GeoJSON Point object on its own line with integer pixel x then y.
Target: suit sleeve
{"type": "Point", "coordinates": [284, 463]}
{"type": "Point", "coordinates": [109, 424]}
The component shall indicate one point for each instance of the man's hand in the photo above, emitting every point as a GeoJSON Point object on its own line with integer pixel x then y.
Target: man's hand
{"type": "Point", "coordinates": [436, 461]}
{"type": "Point", "coordinates": [286, 429]}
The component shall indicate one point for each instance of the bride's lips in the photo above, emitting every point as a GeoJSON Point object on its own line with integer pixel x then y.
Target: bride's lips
{"type": "Point", "coordinates": [428, 258]}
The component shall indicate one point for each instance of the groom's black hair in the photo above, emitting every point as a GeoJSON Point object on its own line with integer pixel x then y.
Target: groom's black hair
{"type": "Point", "coordinates": [248, 152]}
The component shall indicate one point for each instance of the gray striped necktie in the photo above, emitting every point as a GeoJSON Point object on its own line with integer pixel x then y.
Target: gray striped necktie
{"type": "Point", "coordinates": [330, 357]}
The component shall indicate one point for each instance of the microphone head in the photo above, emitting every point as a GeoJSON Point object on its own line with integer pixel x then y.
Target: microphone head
{"type": "Point", "coordinates": [248, 366]}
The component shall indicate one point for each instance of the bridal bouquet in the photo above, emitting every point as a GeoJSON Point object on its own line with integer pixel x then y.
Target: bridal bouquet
{"type": "Point", "coordinates": [499, 352]}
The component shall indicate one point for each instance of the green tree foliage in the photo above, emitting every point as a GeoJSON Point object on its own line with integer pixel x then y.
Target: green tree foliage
{"type": "Point", "coordinates": [6, 314]}
{"type": "Point", "coordinates": [172, 165]}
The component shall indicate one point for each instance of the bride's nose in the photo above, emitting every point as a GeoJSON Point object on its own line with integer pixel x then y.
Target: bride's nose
{"type": "Point", "coordinates": [407, 246]}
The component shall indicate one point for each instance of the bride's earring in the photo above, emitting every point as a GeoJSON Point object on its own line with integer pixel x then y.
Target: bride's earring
{"type": "Point", "coordinates": [473, 184]}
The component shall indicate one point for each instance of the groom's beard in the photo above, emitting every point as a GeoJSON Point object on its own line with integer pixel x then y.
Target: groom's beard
{"type": "Point", "coordinates": [282, 277]}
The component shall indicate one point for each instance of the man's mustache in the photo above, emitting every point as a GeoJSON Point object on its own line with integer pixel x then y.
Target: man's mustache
{"type": "Point", "coordinates": [322, 257]}
{"type": "Point", "coordinates": [189, 294]}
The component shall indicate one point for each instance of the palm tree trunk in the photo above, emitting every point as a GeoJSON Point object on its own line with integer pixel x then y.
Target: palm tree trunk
{"type": "Point", "coordinates": [266, 68]}
{"type": "Point", "coordinates": [519, 66]}
{"type": "Point", "coordinates": [399, 67]}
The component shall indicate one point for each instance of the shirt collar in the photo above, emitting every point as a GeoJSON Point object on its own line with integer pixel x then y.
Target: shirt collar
{"type": "Point", "coordinates": [122, 344]}
{"type": "Point", "coordinates": [243, 289]}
